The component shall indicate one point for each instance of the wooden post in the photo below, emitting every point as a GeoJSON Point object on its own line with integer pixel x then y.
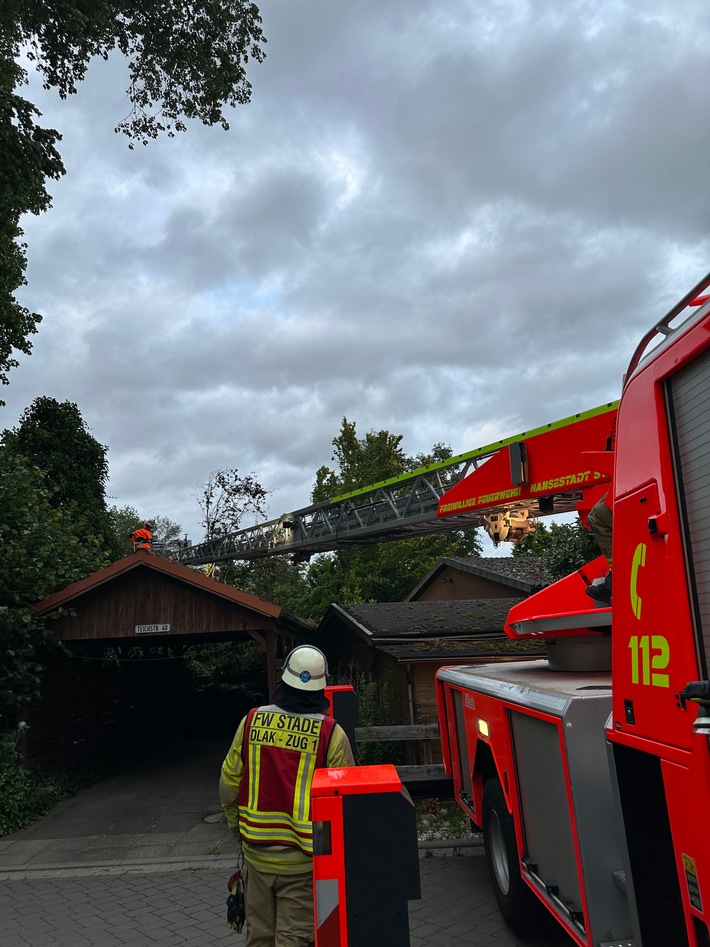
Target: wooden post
{"type": "Point", "coordinates": [270, 637]}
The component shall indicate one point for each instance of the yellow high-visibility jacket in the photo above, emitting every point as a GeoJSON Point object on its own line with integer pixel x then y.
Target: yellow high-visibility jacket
{"type": "Point", "coordinates": [265, 784]}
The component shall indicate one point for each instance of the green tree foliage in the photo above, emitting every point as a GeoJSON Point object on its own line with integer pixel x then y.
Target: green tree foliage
{"type": "Point", "coordinates": [123, 520]}
{"type": "Point", "coordinates": [385, 572]}
{"type": "Point", "coordinates": [564, 547]}
{"type": "Point", "coordinates": [165, 530]}
{"type": "Point", "coordinates": [185, 61]}
{"type": "Point", "coordinates": [275, 579]}
{"type": "Point", "coordinates": [55, 437]}
{"type": "Point", "coordinates": [28, 157]}
{"type": "Point", "coordinates": [360, 461]}
{"type": "Point", "coordinates": [42, 549]}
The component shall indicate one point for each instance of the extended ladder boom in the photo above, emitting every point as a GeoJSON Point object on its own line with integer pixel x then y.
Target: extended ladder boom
{"type": "Point", "coordinates": [425, 501]}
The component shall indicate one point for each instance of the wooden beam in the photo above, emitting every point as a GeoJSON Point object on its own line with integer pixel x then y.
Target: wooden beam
{"type": "Point", "coordinates": [270, 640]}
{"type": "Point", "coordinates": [428, 731]}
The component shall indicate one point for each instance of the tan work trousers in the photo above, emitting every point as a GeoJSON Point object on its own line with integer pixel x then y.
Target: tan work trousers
{"type": "Point", "coordinates": [600, 522]}
{"type": "Point", "coordinates": [279, 909]}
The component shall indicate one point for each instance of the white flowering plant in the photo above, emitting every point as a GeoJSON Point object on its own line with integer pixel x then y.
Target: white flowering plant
{"type": "Point", "coordinates": [441, 819]}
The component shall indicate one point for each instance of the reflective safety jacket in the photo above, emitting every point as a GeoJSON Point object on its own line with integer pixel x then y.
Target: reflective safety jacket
{"type": "Point", "coordinates": [142, 538]}
{"type": "Point", "coordinates": [265, 785]}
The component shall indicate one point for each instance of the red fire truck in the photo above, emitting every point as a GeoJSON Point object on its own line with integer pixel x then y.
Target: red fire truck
{"type": "Point", "coordinates": [589, 772]}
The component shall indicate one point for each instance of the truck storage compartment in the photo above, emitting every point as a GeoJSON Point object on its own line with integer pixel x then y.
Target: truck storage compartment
{"type": "Point", "coordinates": [573, 849]}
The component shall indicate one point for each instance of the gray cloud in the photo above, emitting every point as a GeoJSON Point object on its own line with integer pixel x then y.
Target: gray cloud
{"type": "Point", "coordinates": [452, 222]}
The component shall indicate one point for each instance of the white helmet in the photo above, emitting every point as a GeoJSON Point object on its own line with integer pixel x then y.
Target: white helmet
{"type": "Point", "coordinates": [305, 668]}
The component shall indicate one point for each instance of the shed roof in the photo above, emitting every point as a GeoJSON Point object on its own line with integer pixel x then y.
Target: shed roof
{"type": "Point", "coordinates": [430, 630]}
{"type": "Point", "coordinates": [398, 620]}
{"type": "Point", "coordinates": [526, 574]}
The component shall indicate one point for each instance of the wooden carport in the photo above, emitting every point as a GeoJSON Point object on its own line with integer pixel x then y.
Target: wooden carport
{"type": "Point", "coordinates": [139, 602]}
{"type": "Point", "coordinates": [150, 600]}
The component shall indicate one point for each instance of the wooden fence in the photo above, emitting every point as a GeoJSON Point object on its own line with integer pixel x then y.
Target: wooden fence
{"type": "Point", "coordinates": [420, 777]}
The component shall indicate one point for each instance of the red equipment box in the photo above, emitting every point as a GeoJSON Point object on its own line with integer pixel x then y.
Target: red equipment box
{"type": "Point", "coordinates": [365, 858]}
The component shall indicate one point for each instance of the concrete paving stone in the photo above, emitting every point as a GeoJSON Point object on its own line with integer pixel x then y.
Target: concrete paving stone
{"type": "Point", "coordinates": [44, 938]}
{"type": "Point", "coordinates": [89, 925]}
{"type": "Point", "coordinates": [104, 938]}
{"type": "Point", "coordinates": [9, 927]}
{"type": "Point", "coordinates": [126, 895]}
{"type": "Point", "coordinates": [131, 825]}
{"type": "Point", "coordinates": [83, 913]}
{"type": "Point", "coordinates": [124, 936]}
{"type": "Point", "coordinates": [101, 903]}
{"type": "Point", "coordinates": [99, 856]}
{"type": "Point", "coordinates": [424, 931]}
{"type": "Point", "coordinates": [35, 921]}
{"type": "Point", "coordinates": [63, 826]}
{"type": "Point", "coordinates": [162, 838]}
{"type": "Point", "coordinates": [155, 851]}
{"type": "Point", "coordinates": [204, 916]}
{"type": "Point", "coordinates": [58, 853]}
{"type": "Point", "coordinates": [173, 822]}
{"type": "Point", "coordinates": [204, 830]}
{"type": "Point", "coordinates": [198, 848]}
{"type": "Point", "coordinates": [21, 851]}
{"type": "Point", "coordinates": [113, 841]}
{"type": "Point", "coordinates": [71, 939]}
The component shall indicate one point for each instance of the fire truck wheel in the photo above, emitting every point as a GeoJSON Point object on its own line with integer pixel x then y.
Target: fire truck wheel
{"type": "Point", "coordinates": [517, 903]}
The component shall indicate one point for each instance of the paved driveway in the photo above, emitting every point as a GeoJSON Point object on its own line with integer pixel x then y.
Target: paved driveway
{"type": "Point", "coordinates": [143, 859]}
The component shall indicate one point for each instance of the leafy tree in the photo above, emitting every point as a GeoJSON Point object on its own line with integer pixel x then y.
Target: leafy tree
{"type": "Point", "coordinates": [275, 579]}
{"type": "Point", "coordinates": [185, 61]}
{"type": "Point", "coordinates": [385, 572]}
{"type": "Point", "coordinates": [361, 461]}
{"type": "Point", "coordinates": [42, 549]}
{"type": "Point", "coordinates": [123, 520]}
{"type": "Point", "coordinates": [28, 157]}
{"type": "Point", "coordinates": [226, 498]}
{"type": "Point", "coordinates": [165, 530]}
{"type": "Point", "coordinates": [564, 547]}
{"type": "Point", "coordinates": [55, 437]}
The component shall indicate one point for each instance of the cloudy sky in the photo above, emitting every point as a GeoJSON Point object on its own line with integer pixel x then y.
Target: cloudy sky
{"type": "Point", "coordinates": [450, 220]}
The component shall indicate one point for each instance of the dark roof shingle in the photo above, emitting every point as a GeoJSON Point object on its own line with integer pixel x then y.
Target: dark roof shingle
{"type": "Point", "coordinates": [430, 619]}
{"type": "Point", "coordinates": [527, 574]}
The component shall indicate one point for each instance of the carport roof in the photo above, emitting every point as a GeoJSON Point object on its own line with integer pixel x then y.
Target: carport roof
{"type": "Point", "coordinates": [142, 559]}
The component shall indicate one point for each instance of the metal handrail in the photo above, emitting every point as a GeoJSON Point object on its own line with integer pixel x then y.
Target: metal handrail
{"type": "Point", "coordinates": [661, 327]}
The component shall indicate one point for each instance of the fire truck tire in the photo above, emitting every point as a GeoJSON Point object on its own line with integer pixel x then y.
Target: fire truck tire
{"type": "Point", "coordinates": [517, 903]}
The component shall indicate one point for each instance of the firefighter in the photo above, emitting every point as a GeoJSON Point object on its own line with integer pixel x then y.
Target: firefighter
{"type": "Point", "coordinates": [265, 790]}
{"type": "Point", "coordinates": [600, 521]}
{"type": "Point", "coordinates": [142, 537]}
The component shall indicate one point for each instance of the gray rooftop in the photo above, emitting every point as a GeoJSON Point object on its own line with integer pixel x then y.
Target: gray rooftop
{"type": "Point", "coordinates": [433, 630]}
{"type": "Point", "coordinates": [527, 574]}
{"type": "Point", "coordinates": [398, 620]}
